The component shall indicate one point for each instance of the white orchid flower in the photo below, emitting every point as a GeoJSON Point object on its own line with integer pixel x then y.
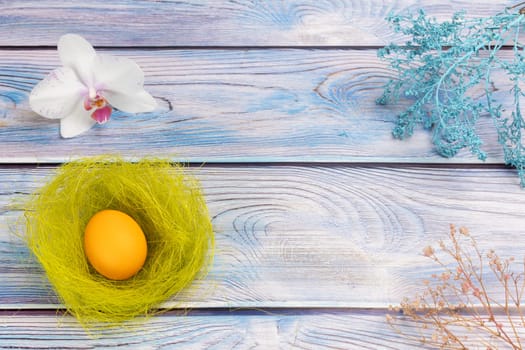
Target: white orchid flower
{"type": "Point", "coordinates": [84, 90]}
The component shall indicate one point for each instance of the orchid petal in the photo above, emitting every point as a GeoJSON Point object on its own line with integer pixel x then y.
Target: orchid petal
{"type": "Point", "coordinates": [137, 102]}
{"type": "Point", "coordinates": [117, 73]}
{"type": "Point", "coordinates": [75, 52]}
{"type": "Point", "coordinates": [122, 83]}
{"type": "Point", "coordinates": [57, 95]}
{"type": "Point", "coordinates": [76, 123]}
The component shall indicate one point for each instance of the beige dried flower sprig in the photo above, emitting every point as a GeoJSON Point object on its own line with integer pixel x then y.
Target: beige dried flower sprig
{"type": "Point", "coordinates": [474, 302]}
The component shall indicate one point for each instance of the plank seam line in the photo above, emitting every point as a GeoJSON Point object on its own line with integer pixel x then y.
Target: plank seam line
{"type": "Point", "coordinates": [335, 164]}
{"type": "Point", "coordinates": [210, 47]}
{"type": "Point", "coordinates": [60, 311]}
{"type": "Point", "coordinates": [276, 311]}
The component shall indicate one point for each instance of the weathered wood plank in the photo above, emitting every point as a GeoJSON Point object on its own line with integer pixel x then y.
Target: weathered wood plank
{"type": "Point", "coordinates": [308, 236]}
{"type": "Point", "coordinates": [276, 329]}
{"type": "Point", "coordinates": [216, 331]}
{"type": "Point", "coordinates": [218, 23]}
{"type": "Point", "coordinates": [230, 105]}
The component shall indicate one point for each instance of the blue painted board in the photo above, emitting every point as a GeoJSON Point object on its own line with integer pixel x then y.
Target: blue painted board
{"type": "Point", "coordinates": [307, 236]}
{"type": "Point", "coordinates": [234, 106]}
{"type": "Point", "coordinates": [271, 329]}
{"type": "Point", "coordinates": [134, 23]}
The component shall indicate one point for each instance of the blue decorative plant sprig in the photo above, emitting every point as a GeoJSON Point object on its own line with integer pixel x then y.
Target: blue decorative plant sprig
{"type": "Point", "coordinates": [443, 69]}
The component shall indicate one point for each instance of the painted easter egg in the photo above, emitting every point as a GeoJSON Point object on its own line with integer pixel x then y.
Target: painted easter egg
{"type": "Point", "coordinates": [115, 245]}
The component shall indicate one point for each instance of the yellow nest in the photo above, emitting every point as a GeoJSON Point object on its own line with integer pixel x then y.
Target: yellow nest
{"type": "Point", "coordinates": [165, 201]}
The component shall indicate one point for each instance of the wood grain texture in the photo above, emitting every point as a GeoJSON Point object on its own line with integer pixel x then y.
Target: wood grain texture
{"type": "Point", "coordinates": [307, 236]}
{"type": "Point", "coordinates": [277, 329]}
{"type": "Point", "coordinates": [218, 23]}
{"type": "Point", "coordinates": [233, 105]}
{"type": "Point", "coordinates": [255, 81]}
{"type": "Point", "coordinates": [217, 331]}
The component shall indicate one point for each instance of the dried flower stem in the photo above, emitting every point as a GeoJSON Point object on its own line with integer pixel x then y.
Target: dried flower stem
{"type": "Point", "coordinates": [457, 307]}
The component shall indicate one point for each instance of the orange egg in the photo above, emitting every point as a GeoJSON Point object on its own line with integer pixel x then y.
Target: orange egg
{"type": "Point", "coordinates": [115, 245]}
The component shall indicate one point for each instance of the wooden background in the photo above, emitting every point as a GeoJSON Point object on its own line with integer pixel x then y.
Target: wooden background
{"type": "Point", "coordinates": [320, 215]}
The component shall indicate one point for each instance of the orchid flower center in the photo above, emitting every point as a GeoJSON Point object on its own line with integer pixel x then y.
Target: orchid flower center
{"type": "Point", "coordinates": [95, 100]}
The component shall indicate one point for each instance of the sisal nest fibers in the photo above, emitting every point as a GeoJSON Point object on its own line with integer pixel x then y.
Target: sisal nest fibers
{"type": "Point", "coordinates": [165, 201]}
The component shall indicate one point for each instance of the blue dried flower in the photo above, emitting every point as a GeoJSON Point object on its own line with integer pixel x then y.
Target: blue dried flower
{"type": "Point", "coordinates": [442, 68]}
